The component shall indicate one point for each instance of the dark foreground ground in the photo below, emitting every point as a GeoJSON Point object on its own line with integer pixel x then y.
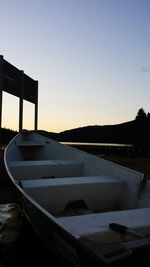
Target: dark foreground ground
{"type": "Point", "coordinates": [26, 251]}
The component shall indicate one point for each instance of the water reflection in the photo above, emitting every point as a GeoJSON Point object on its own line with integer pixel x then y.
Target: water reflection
{"type": "Point", "coordinates": [96, 144]}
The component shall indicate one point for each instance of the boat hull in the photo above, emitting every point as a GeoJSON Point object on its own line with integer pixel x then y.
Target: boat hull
{"type": "Point", "coordinates": [67, 250]}
{"type": "Point", "coordinates": [51, 178]}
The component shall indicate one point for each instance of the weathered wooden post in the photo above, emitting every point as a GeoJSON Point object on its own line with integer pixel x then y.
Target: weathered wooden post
{"type": "Point", "coordinates": [21, 101]}
{"type": "Point", "coordinates": [36, 108]}
{"type": "Point", "coordinates": [1, 95]}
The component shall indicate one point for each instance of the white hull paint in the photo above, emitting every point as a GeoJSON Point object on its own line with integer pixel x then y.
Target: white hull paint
{"type": "Point", "coordinates": [72, 198]}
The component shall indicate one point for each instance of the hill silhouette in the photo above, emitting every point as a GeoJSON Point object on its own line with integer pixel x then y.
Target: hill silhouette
{"type": "Point", "coordinates": [135, 132]}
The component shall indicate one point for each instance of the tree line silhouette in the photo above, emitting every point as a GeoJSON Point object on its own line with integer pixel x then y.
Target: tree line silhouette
{"type": "Point", "coordinates": [141, 115]}
{"type": "Point", "coordinates": [135, 132]}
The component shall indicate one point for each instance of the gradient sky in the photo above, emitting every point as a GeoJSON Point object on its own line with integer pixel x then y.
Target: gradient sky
{"type": "Point", "coordinates": [91, 58]}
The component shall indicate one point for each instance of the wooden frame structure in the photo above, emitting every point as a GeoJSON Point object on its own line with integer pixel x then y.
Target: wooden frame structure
{"type": "Point", "coordinates": [19, 84]}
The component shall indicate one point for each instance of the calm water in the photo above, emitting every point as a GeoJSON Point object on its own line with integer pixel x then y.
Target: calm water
{"type": "Point", "coordinates": [96, 144]}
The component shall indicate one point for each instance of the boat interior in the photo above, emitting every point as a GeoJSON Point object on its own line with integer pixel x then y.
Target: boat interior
{"type": "Point", "coordinates": [83, 192]}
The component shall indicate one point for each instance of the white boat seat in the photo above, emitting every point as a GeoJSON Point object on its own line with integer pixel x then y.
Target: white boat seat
{"type": "Point", "coordinates": [40, 169]}
{"type": "Point", "coordinates": [96, 192]}
{"type": "Point", "coordinates": [96, 226]}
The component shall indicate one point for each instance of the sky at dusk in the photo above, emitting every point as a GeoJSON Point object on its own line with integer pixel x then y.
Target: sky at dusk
{"type": "Point", "coordinates": [91, 58]}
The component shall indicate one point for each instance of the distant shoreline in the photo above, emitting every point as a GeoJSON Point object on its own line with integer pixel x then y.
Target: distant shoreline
{"type": "Point", "coordinates": [96, 144]}
{"type": "Point", "coordinates": [132, 133]}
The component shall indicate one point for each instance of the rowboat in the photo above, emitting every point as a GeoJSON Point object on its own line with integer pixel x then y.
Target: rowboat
{"type": "Point", "coordinates": [87, 210]}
